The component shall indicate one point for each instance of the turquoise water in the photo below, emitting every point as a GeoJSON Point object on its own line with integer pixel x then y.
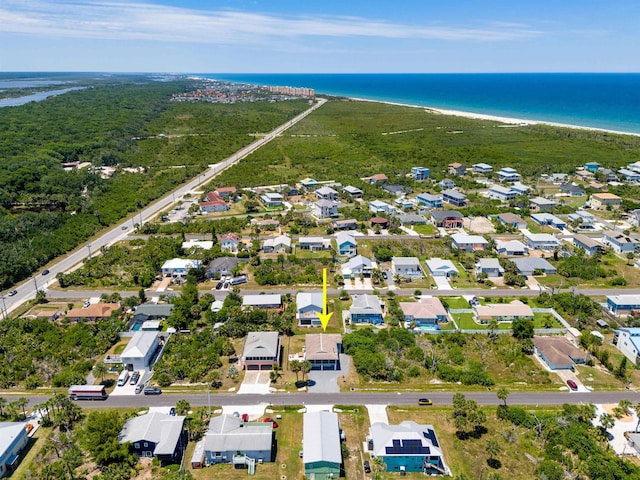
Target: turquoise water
{"type": "Point", "coordinates": [605, 100]}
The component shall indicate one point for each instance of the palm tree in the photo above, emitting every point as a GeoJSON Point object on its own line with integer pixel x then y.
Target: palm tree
{"type": "Point", "coordinates": [3, 403]}
{"type": "Point", "coordinates": [182, 407]}
{"type": "Point", "coordinates": [493, 449]}
{"type": "Point", "coordinates": [607, 421]}
{"type": "Point", "coordinates": [378, 466]}
{"type": "Point", "coordinates": [625, 405]}
{"type": "Point", "coordinates": [305, 368]}
{"type": "Point", "coordinates": [503, 394]}
{"type": "Point", "coordinates": [21, 403]}
{"type": "Point", "coordinates": [100, 370]}
{"type": "Point", "coordinates": [296, 367]}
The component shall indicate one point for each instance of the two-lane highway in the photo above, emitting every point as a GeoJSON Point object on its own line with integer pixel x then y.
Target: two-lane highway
{"type": "Point", "coordinates": [356, 398]}
{"type": "Point", "coordinates": [27, 290]}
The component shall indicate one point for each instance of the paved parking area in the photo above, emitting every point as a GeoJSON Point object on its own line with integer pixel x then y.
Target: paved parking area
{"type": "Point", "coordinates": [326, 381]}
{"type": "Point", "coordinates": [128, 389]}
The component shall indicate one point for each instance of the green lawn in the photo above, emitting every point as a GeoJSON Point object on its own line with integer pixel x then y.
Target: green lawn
{"type": "Point", "coordinates": [427, 229]}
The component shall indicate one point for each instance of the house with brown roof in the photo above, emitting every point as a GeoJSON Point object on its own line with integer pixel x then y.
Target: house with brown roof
{"type": "Point", "coordinates": [96, 311]}
{"type": "Point", "coordinates": [603, 201]}
{"type": "Point", "coordinates": [427, 312]}
{"type": "Point", "coordinates": [457, 169]}
{"type": "Point", "coordinates": [380, 221]}
{"type": "Point", "coordinates": [225, 192]}
{"type": "Point", "coordinates": [323, 350]}
{"type": "Point", "coordinates": [378, 179]}
{"type": "Point", "coordinates": [502, 312]}
{"type": "Point", "coordinates": [213, 203]}
{"type": "Point", "coordinates": [558, 353]}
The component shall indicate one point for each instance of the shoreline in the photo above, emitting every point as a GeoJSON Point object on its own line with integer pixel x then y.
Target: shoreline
{"type": "Point", "coordinates": [508, 121]}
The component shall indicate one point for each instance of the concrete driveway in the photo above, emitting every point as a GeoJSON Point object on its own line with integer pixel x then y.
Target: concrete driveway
{"type": "Point", "coordinates": [326, 381]}
{"type": "Point", "coordinates": [442, 283]}
{"type": "Point", "coordinates": [255, 382]}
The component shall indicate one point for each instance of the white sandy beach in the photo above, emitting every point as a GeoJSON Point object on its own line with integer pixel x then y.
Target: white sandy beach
{"type": "Point", "coordinates": [506, 120]}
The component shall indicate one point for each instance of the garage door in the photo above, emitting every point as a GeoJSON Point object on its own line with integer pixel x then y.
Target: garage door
{"type": "Point", "coordinates": [253, 367]}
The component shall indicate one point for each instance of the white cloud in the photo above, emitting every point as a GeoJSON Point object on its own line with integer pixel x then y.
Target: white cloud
{"type": "Point", "coordinates": [119, 20]}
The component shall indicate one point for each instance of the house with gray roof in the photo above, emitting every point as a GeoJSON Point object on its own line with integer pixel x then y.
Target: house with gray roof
{"type": "Point", "coordinates": [407, 447]}
{"type": "Point", "coordinates": [221, 266]}
{"type": "Point", "coordinates": [528, 266]}
{"type": "Point", "coordinates": [406, 267]}
{"type": "Point", "coordinates": [314, 244]}
{"type": "Point", "coordinates": [354, 192]}
{"type": "Point", "coordinates": [589, 245]}
{"type": "Point", "coordinates": [156, 434]}
{"type": "Point", "coordinates": [321, 453]}
{"type": "Point", "coordinates": [327, 193]}
{"type": "Point", "coordinates": [430, 200]}
{"type": "Point", "coordinates": [308, 306]}
{"type": "Point", "coordinates": [490, 266]}
{"type": "Point", "coordinates": [325, 209]}
{"type": "Point", "coordinates": [271, 301]}
{"type": "Point", "coordinates": [540, 204]}
{"type": "Point", "coordinates": [412, 219]}
{"type": "Point", "coordinates": [447, 218]}
{"type": "Point", "coordinates": [541, 241]}
{"type": "Point", "coordinates": [619, 242]}
{"type": "Point", "coordinates": [454, 197]}
{"type": "Point", "coordinates": [468, 243]}
{"type": "Point", "coordinates": [230, 440]}
{"type": "Point", "coordinates": [261, 351]}
{"type": "Point", "coordinates": [512, 220]}
{"type": "Point", "coordinates": [366, 308]}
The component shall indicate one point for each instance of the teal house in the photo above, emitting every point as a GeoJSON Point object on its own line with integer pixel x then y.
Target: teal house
{"type": "Point", "coordinates": [407, 447]}
{"type": "Point", "coordinates": [321, 453]}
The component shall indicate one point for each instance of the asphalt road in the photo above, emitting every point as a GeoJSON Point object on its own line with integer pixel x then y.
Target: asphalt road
{"type": "Point", "coordinates": [27, 289]}
{"type": "Point", "coordinates": [355, 398]}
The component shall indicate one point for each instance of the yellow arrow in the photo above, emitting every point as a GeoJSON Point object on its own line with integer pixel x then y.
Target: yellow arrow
{"type": "Point", "coordinates": [324, 316]}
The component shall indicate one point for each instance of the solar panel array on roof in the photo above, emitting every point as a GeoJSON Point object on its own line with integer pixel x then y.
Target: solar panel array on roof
{"type": "Point", "coordinates": [410, 447]}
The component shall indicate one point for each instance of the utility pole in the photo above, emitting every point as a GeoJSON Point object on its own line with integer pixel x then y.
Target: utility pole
{"type": "Point", "coordinates": [89, 247]}
{"type": "Point", "coordinates": [5, 315]}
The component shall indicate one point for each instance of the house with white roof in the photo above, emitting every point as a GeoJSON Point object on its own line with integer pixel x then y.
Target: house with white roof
{"type": "Point", "coordinates": [520, 188]}
{"type": "Point", "coordinates": [357, 266]}
{"type": "Point", "coordinates": [623, 304]}
{"type": "Point", "coordinates": [583, 220]}
{"type": "Point", "coordinates": [308, 306]}
{"type": "Point", "coordinates": [629, 175]}
{"type": "Point", "coordinates": [309, 184]}
{"type": "Point", "coordinates": [378, 206]}
{"type": "Point", "coordinates": [193, 243]}
{"type": "Point", "coordinates": [508, 174]}
{"type": "Point", "coordinates": [271, 301]}
{"type": "Point", "coordinates": [490, 266]}
{"type": "Point", "coordinates": [441, 268]}
{"type": "Point", "coordinates": [314, 244]}
{"type": "Point", "coordinates": [501, 193]}
{"type": "Point", "coordinates": [354, 192]}
{"type": "Point", "coordinates": [589, 245]}
{"type": "Point", "coordinates": [426, 312]}
{"type": "Point", "coordinates": [406, 267]}
{"type": "Point", "coordinates": [272, 199]}
{"type": "Point", "coordinates": [13, 438]}
{"type": "Point", "coordinates": [321, 452]}
{"type": "Point", "coordinates": [512, 248]}
{"type": "Point", "coordinates": [261, 351]}
{"type": "Point", "coordinates": [279, 244]}
{"type": "Point", "coordinates": [468, 243]}
{"type": "Point", "coordinates": [627, 340]}
{"type": "Point", "coordinates": [347, 244]}
{"type": "Point", "coordinates": [140, 352]}
{"type": "Point", "coordinates": [366, 308]}
{"type": "Point", "coordinates": [156, 434]}
{"type": "Point", "coordinates": [541, 241]}
{"type": "Point", "coordinates": [230, 440]}
{"type": "Point", "coordinates": [179, 267]}
{"type": "Point", "coordinates": [407, 447]}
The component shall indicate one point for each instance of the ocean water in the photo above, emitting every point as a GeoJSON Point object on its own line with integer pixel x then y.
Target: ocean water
{"type": "Point", "coordinates": [609, 101]}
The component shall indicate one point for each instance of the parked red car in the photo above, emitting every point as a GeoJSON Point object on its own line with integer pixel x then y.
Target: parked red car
{"type": "Point", "coordinates": [572, 384]}
{"type": "Point", "coordinates": [245, 417]}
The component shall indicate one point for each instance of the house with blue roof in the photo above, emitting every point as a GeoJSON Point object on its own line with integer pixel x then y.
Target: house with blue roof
{"type": "Point", "coordinates": [592, 166]}
{"type": "Point", "coordinates": [430, 200]}
{"type": "Point", "coordinates": [347, 244]}
{"type": "Point", "coordinates": [420, 173]}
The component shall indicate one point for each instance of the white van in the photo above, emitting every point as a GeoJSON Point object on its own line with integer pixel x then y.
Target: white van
{"type": "Point", "coordinates": [122, 379]}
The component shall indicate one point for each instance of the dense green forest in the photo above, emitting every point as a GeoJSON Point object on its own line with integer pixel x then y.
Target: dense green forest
{"type": "Point", "coordinates": [345, 140]}
{"type": "Point", "coordinates": [46, 211]}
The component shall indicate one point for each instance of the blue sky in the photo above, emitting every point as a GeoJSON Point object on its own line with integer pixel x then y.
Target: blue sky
{"type": "Point", "coordinates": [209, 36]}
